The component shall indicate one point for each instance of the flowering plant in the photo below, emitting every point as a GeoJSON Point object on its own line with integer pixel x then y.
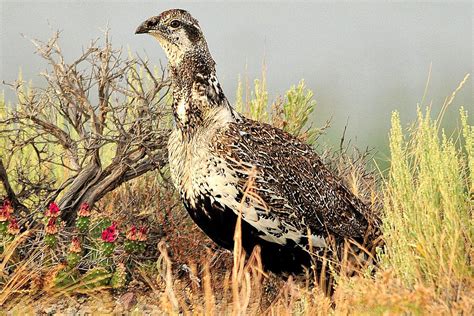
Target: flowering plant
{"type": "Point", "coordinates": [75, 251]}
{"type": "Point", "coordinates": [84, 210]}
{"type": "Point", "coordinates": [135, 239]}
{"type": "Point", "coordinates": [83, 217]}
{"type": "Point", "coordinates": [109, 236]}
{"type": "Point", "coordinates": [13, 228]}
{"type": "Point", "coordinates": [53, 210]}
{"type": "Point", "coordinates": [5, 211]}
{"type": "Point", "coordinates": [51, 231]}
{"type": "Point", "coordinates": [4, 216]}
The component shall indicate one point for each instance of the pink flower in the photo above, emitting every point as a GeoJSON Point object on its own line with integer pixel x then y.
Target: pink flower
{"type": "Point", "coordinates": [141, 236]}
{"type": "Point", "coordinates": [75, 245]}
{"type": "Point", "coordinates": [53, 210]}
{"type": "Point", "coordinates": [5, 210]}
{"type": "Point", "coordinates": [7, 205]}
{"type": "Point", "coordinates": [13, 227]}
{"type": "Point", "coordinates": [132, 233]}
{"type": "Point", "coordinates": [110, 234]}
{"type": "Point", "coordinates": [4, 214]}
{"type": "Point", "coordinates": [51, 228]}
{"type": "Point", "coordinates": [84, 211]}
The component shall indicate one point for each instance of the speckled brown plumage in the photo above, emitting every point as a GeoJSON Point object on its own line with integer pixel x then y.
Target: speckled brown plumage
{"type": "Point", "coordinates": [291, 179]}
{"type": "Point", "coordinates": [215, 153]}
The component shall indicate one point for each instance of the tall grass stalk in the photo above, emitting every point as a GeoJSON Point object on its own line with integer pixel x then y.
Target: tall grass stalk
{"type": "Point", "coordinates": [428, 224]}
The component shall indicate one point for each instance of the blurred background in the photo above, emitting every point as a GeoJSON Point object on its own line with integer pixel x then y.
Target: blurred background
{"type": "Point", "coordinates": [363, 60]}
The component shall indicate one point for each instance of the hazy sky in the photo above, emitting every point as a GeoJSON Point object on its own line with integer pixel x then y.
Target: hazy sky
{"type": "Point", "coordinates": [361, 59]}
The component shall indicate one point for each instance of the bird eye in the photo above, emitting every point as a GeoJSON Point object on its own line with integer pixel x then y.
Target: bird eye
{"type": "Point", "coordinates": [175, 24]}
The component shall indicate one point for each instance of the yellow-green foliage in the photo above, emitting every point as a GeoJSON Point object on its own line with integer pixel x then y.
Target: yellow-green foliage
{"type": "Point", "coordinates": [290, 113]}
{"type": "Point", "coordinates": [298, 106]}
{"type": "Point", "coordinates": [256, 103]}
{"type": "Point", "coordinates": [17, 155]}
{"type": "Point", "coordinates": [468, 134]}
{"type": "Point", "coordinates": [428, 226]}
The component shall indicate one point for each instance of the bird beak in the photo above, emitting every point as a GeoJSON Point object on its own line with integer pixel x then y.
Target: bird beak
{"type": "Point", "coordinates": [148, 26]}
{"type": "Point", "coordinates": [142, 28]}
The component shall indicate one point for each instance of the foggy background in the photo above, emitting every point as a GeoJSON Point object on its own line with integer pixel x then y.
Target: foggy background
{"type": "Point", "coordinates": [362, 59]}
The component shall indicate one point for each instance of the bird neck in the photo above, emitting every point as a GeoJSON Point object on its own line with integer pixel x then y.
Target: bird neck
{"type": "Point", "coordinates": [197, 94]}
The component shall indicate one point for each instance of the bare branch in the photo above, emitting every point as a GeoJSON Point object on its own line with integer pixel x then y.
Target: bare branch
{"type": "Point", "coordinates": [101, 120]}
{"type": "Point", "coordinates": [8, 188]}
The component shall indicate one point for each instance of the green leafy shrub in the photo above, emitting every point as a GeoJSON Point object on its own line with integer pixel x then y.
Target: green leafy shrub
{"type": "Point", "coordinates": [427, 223]}
{"type": "Point", "coordinates": [291, 113]}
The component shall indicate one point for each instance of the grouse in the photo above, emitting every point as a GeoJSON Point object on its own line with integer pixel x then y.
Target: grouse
{"type": "Point", "coordinates": [297, 205]}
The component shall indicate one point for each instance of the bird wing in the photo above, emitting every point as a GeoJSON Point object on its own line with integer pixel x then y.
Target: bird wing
{"type": "Point", "coordinates": [296, 187]}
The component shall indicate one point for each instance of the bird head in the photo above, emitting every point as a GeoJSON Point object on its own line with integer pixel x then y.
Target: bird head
{"type": "Point", "coordinates": [177, 32]}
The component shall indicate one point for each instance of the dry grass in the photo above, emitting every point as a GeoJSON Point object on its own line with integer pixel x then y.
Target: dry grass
{"type": "Point", "coordinates": [426, 266]}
